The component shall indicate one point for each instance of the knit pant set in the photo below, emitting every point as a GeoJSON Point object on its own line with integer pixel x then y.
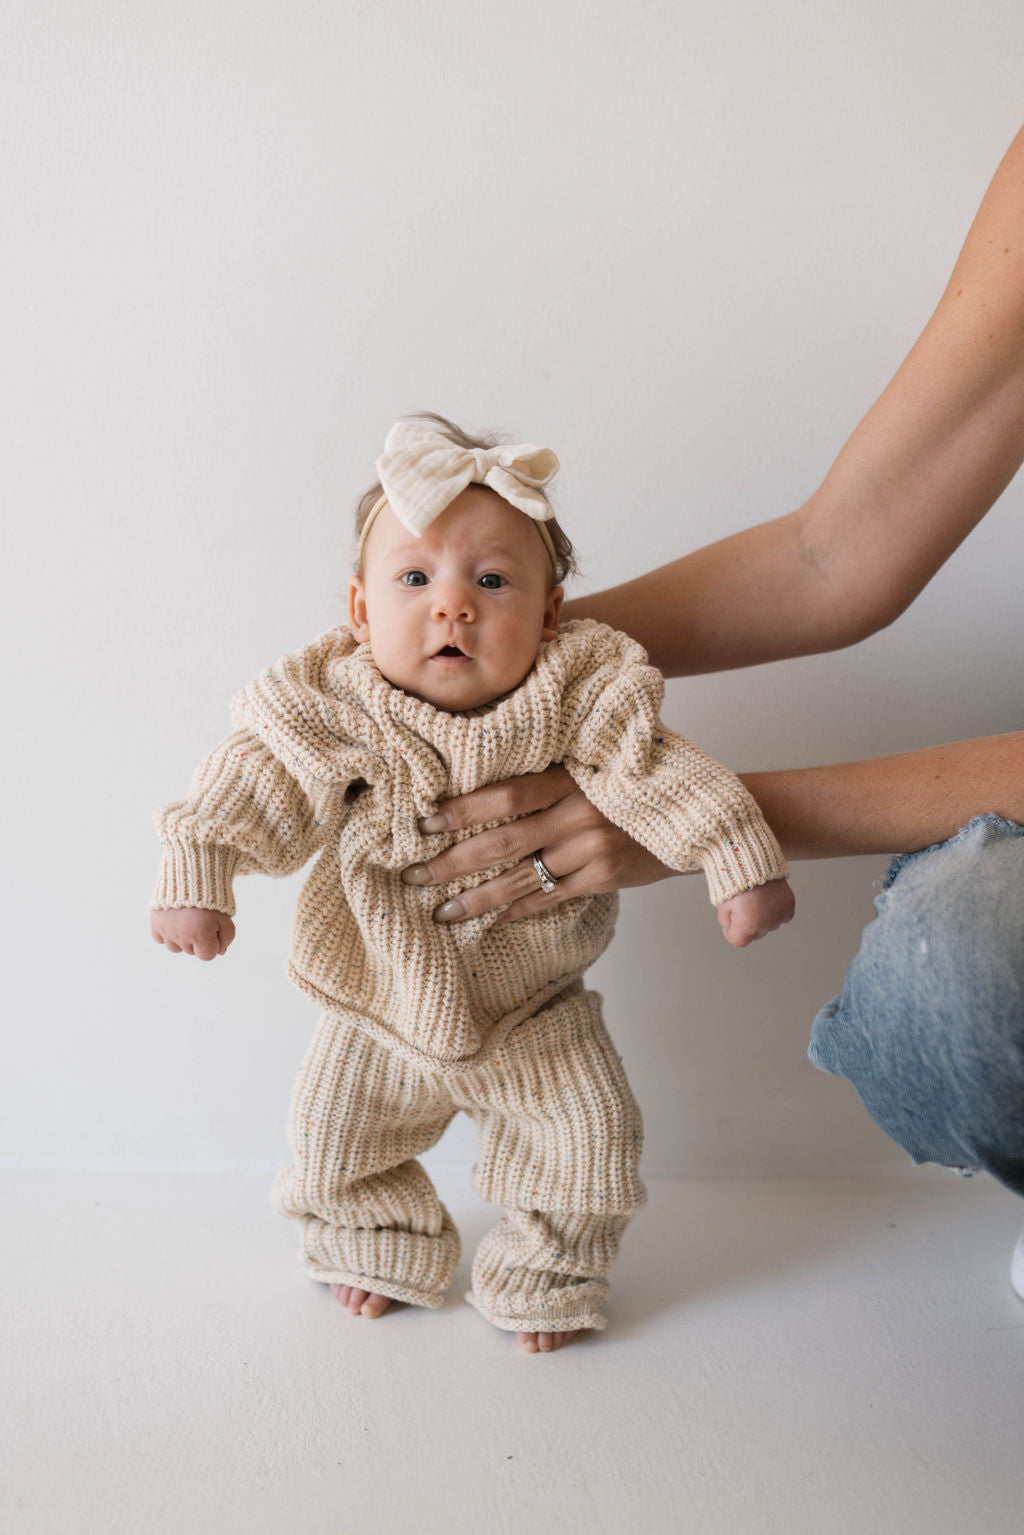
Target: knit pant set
{"type": "Point", "coordinates": [559, 1148]}
{"type": "Point", "coordinates": [421, 1020]}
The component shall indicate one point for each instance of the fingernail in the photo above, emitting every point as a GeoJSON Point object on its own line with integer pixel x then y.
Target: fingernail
{"type": "Point", "coordinates": [451, 911]}
{"type": "Point", "coordinates": [417, 874]}
{"type": "Point", "coordinates": [432, 825]}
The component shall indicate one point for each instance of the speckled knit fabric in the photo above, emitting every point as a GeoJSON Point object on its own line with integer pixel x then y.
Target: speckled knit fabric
{"type": "Point", "coordinates": [328, 757]}
{"type": "Point", "coordinates": [560, 1138]}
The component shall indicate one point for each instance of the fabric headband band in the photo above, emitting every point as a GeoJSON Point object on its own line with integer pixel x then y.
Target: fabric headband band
{"type": "Point", "coordinates": [371, 518]}
{"type": "Point", "coordinates": [421, 472]}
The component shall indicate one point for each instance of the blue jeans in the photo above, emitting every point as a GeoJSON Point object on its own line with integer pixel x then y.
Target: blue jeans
{"type": "Point", "coordinates": [929, 1026]}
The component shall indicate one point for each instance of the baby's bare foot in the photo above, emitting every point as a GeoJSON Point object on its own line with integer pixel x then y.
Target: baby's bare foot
{"type": "Point", "coordinates": [543, 1342]}
{"type": "Point", "coordinates": [360, 1302]}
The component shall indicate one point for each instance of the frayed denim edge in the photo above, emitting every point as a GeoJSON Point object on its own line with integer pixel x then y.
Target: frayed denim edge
{"type": "Point", "coordinates": [900, 862]}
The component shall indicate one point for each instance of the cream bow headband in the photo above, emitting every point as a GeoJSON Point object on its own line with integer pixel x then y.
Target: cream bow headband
{"type": "Point", "coordinates": [421, 472]}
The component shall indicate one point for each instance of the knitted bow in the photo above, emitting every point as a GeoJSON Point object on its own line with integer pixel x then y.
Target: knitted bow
{"type": "Point", "coordinates": [421, 472]}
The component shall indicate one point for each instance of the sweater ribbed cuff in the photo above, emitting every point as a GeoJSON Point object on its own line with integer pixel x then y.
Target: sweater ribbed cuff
{"type": "Point", "coordinates": [750, 857]}
{"type": "Point", "coordinates": [196, 874]}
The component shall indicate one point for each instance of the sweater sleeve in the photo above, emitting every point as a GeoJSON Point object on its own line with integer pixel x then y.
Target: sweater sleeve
{"type": "Point", "coordinates": [244, 813]}
{"type": "Point", "coordinates": [661, 789]}
{"type": "Point", "coordinates": [268, 797]}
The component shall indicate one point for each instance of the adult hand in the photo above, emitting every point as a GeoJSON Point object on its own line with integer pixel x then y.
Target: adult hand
{"type": "Point", "coordinates": [192, 930]}
{"type": "Point", "coordinates": [585, 853]}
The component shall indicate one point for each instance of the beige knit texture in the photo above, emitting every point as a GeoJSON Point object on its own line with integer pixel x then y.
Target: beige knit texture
{"type": "Point", "coordinates": [560, 1138]}
{"type": "Point", "coordinates": [422, 1019]}
{"type": "Point", "coordinates": [322, 739]}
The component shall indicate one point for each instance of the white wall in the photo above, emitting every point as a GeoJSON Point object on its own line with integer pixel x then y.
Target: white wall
{"type": "Point", "coordinates": [685, 245]}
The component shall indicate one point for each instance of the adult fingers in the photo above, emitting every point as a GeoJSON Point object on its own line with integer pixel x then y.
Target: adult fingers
{"type": "Point", "coordinates": [515, 885]}
{"type": "Point", "coordinates": [579, 883]}
{"type": "Point", "coordinates": [593, 863]}
{"type": "Point", "coordinates": [582, 882]}
{"type": "Point", "coordinates": [569, 851]}
{"type": "Point", "coordinates": [611, 861]}
{"type": "Point", "coordinates": [573, 839]}
{"type": "Point", "coordinates": [507, 844]}
{"type": "Point", "coordinates": [496, 802]}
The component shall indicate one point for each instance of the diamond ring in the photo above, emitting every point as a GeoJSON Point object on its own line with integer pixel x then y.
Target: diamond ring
{"type": "Point", "coordinates": [544, 874]}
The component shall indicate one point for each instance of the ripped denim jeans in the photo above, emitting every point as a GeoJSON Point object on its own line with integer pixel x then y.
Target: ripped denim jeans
{"type": "Point", "coordinates": [929, 1026]}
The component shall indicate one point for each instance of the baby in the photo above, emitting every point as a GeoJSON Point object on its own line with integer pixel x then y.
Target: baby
{"type": "Point", "coordinates": [453, 673]}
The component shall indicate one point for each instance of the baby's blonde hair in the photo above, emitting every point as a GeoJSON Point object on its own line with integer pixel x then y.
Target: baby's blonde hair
{"type": "Point", "coordinates": [565, 555]}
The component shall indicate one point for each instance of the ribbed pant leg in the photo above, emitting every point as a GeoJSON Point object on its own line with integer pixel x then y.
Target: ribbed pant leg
{"type": "Point", "coordinates": [370, 1215]}
{"type": "Point", "coordinates": [560, 1140]}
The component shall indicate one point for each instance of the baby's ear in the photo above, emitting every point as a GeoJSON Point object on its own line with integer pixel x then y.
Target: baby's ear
{"type": "Point", "coordinates": [357, 609]}
{"type": "Point", "coordinates": [549, 628]}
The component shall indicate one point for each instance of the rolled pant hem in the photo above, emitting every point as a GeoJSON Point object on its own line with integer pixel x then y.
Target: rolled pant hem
{"type": "Point", "coordinates": [590, 1320]}
{"type": "Point", "coordinates": [377, 1286]}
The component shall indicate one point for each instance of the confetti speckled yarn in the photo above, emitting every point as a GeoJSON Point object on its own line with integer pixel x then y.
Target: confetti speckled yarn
{"type": "Point", "coordinates": [327, 757]}
{"type": "Point", "coordinates": [560, 1139]}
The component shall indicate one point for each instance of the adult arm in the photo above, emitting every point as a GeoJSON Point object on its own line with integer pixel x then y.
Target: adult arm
{"type": "Point", "coordinates": [892, 804]}
{"type": "Point", "coordinates": [879, 805]}
{"type": "Point", "coordinates": [919, 472]}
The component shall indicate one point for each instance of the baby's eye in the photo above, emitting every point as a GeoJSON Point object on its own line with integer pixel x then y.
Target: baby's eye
{"type": "Point", "coordinates": [413, 578]}
{"type": "Point", "coordinates": [492, 582]}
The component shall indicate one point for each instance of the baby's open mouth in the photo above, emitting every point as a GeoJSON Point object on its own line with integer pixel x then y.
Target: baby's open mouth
{"type": "Point", "coordinates": [452, 650]}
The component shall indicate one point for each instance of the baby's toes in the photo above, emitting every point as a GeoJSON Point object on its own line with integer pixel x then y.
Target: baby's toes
{"type": "Point", "coordinates": [542, 1342]}
{"type": "Point", "coordinates": [375, 1305]}
{"type": "Point", "coordinates": [351, 1298]}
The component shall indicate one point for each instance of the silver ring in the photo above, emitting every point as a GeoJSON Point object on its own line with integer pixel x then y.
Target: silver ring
{"type": "Point", "coordinates": [544, 874]}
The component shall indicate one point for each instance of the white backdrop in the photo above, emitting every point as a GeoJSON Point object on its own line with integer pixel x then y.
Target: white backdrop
{"type": "Point", "coordinates": [686, 245]}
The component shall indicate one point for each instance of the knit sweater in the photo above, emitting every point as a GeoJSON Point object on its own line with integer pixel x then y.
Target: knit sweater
{"type": "Point", "coordinates": [326, 756]}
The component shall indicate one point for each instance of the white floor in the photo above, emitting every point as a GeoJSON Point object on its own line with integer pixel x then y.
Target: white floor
{"type": "Point", "coordinates": [782, 1357]}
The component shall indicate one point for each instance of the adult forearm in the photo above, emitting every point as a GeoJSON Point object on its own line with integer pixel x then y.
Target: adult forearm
{"type": "Point", "coordinates": [727, 605]}
{"type": "Point", "coordinates": [922, 468]}
{"type": "Point", "coordinates": [892, 804]}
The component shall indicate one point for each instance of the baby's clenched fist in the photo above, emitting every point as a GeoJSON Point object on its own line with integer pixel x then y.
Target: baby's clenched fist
{"type": "Point", "coordinates": [191, 930]}
{"type": "Point", "coordinates": [753, 913]}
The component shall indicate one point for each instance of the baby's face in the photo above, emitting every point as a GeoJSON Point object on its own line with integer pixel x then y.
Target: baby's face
{"type": "Point", "coordinates": [456, 617]}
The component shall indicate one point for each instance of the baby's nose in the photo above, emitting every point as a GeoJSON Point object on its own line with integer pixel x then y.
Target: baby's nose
{"type": "Point", "coordinates": [454, 600]}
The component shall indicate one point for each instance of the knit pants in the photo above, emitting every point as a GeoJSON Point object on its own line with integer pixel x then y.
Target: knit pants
{"type": "Point", "coordinates": [560, 1137]}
